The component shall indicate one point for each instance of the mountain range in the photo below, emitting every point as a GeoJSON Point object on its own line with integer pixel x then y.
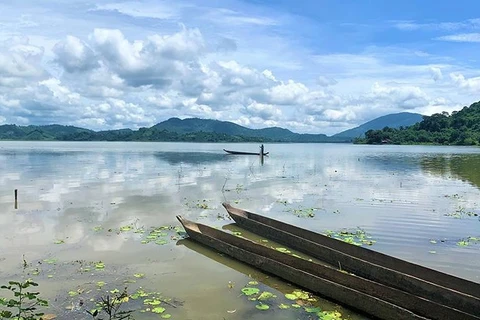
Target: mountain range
{"type": "Point", "coordinates": [197, 130]}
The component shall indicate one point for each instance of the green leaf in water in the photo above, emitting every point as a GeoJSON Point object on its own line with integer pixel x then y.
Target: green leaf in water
{"type": "Point", "coordinates": [126, 228]}
{"type": "Point", "coordinates": [72, 293]}
{"type": "Point", "coordinates": [284, 306]}
{"type": "Point", "coordinates": [329, 315]}
{"type": "Point", "coordinates": [266, 295]}
{"type": "Point", "coordinates": [250, 291]}
{"type": "Point", "coordinates": [50, 261]}
{"type": "Point", "coordinates": [139, 275]}
{"type": "Point", "coordinates": [166, 316]}
{"type": "Point", "coordinates": [59, 241]}
{"type": "Point", "coordinates": [161, 242]}
{"type": "Point", "coordinates": [312, 309]}
{"type": "Point", "coordinates": [262, 306]}
{"type": "Point", "coordinates": [158, 310]}
{"type": "Point", "coordinates": [253, 283]}
{"type": "Point", "coordinates": [99, 265]}
{"type": "Point", "coordinates": [97, 228]}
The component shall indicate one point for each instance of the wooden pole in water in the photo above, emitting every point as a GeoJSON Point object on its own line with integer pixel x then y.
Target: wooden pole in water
{"type": "Point", "coordinates": [16, 199]}
{"type": "Point", "coordinates": [261, 154]}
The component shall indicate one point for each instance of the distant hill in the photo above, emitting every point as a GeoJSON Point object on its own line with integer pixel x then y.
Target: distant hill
{"type": "Point", "coordinates": [173, 129]}
{"type": "Point", "coordinates": [394, 120]}
{"type": "Point", "coordinates": [192, 125]}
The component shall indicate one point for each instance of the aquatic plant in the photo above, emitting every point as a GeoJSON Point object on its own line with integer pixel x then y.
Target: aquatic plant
{"type": "Point", "coordinates": [24, 304]}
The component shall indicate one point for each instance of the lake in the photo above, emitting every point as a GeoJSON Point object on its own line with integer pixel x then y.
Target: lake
{"type": "Point", "coordinates": [86, 211]}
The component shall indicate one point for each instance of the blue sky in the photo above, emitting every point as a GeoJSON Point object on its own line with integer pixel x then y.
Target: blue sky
{"type": "Point", "coordinates": [310, 66]}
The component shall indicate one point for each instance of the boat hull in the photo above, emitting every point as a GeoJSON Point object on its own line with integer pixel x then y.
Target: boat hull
{"type": "Point", "coordinates": [334, 253]}
{"type": "Point", "coordinates": [323, 280]}
{"type": "Point", "coordinates": [244, 153]}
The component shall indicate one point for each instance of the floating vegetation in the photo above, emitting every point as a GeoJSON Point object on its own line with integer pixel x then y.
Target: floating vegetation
{"type": "Point", "coordinates": [59, 241]}
{"type": "Point", "coordinates": [248, 291]}
{"type": "Point", "coordinates": [138, 301]}
{"type": "Point", "coordinates": [198, 204]}
{"type": "Point", "coordinates": [461, 212]}
{"type": "Point", "coordinates": [356, 237]}
{"type": "Point", "coordinates": [468, 241]}
{"type": "Point", "coordinates": [50, 261]}
{"type": "Point", "coordinates": [454, 196]}
{"type": "Point", "coordinates": [297, 299]}
{"type": "Point", "coordinates": [304, 212]}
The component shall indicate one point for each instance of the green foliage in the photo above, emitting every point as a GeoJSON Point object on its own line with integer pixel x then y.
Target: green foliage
{"type": "Point", "coordinates": [23, 305]}
{"type": "Point", "coordinates": [459, 128]}
{"type": "Point", "coordinates": [111, 306]}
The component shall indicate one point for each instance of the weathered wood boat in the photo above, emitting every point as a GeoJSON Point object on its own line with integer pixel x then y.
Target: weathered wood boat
{"type": "Point", "coordinates": [430, 284]}
{"type": "Point", "coordinates": [244, 153]}
{"type": "Point", "coordinates": [378, 300]}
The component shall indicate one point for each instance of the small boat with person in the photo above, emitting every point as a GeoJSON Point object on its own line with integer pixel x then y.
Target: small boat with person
{"type": "Point", "coordinates": [248, 153]}
{"type": "Point", "coordinates": [244, 153]}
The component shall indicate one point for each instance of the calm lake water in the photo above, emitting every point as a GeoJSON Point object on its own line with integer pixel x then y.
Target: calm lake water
{"type": "Point", "coordinates": [82, 208]}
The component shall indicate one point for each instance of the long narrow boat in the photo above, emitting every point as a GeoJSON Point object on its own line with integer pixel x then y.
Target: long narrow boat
{"type": "Point", "coordinates": [244, 153]}
{"type": "Point", "coordinates": [436, 286]}
{"type": "Point", "coordinates": [360, 294]}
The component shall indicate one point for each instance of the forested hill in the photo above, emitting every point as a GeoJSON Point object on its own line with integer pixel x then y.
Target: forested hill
{"type": "Point", "coordinates": [174, 129]}
{"type": "Point", "coordinates": [459, 128]}
{"type": "Point", "coordinates": [394, 120]}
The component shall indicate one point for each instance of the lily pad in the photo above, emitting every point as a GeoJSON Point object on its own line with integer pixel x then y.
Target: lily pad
{"type": "Point", "coordinates": [250, 291]}
{"type": "Point", "coordinates": [99, 265]}
{"type": "Point", "coordinates": [262, 306]}
{"type": "Point", "coordinates": [266, 295]}
{"type": "Point", "coordinates": [166, 316]}
{"type": "Point", "coordinates": [284, 306]}
{"type": "Point", "coordinates": [158, 310]}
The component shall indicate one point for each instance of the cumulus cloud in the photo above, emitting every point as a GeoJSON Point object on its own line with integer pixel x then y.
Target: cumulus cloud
{"type": "Point", "coordinates": [436, 73]}
{"type": "Point", "coordinates": [133, 66]}
{"type": "Point", "coordinates": [470, 84]}
{"type": "Point", "coordinates": [74, 55]}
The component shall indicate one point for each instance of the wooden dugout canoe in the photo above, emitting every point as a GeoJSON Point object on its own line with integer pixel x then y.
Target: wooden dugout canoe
{"type": "Point", "coordinates": [448, 290]}
{"type": "Point", "coordinates": [367, 296]}
{"type": "Point", "coordinates": [244, 153]}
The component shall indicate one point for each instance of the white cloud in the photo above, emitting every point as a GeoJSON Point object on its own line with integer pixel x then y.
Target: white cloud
{"type": "Point", "coordinates": [74, 55]}
{"type": "Point", "coordinates": [436, 73]}
{"type": "Point", "coordinates": [470, 84]}
{"type": "Point", "coordinates": [409, 25]}
{"type": "Point", "coordinates": [461, 37]}
{"type": "Point", "coordinates": [326, 81]}
{"type": "Point", "coordinates": [132, 64]}
{"type": "Point", "coordinates": [155, 10]}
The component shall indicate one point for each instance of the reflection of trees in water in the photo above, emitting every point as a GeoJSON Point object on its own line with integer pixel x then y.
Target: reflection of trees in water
{"type": "Point", "coordinates": [465, 167]}
{"type": "Point", "coordinates": [174, 158]}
